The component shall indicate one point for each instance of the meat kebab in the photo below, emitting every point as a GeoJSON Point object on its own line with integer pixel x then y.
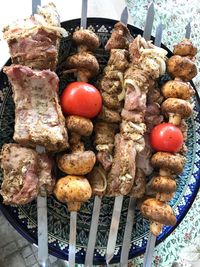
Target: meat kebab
{"type": "Point", "coordinates": [34, 41]}
{"type": "Point", "coordinates": [38, 116]}
{"type": "Point", "coordinates": [25, 172]}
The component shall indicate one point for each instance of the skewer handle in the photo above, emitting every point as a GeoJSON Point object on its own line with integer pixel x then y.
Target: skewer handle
{"type": "Point", "coordinates": [42, 231]}
{"type": "Point", "coordinates": [127, 233]}
{"type": "Point", "coordinates": [93, 232]}
{"type": "Point", "coordinates": [72, 238]}
{"type": "Point", "coordinates": [149, 250]}
{"type": "Point", "coordinates": [112, 238]}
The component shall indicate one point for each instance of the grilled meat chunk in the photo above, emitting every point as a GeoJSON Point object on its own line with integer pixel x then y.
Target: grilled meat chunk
{"type": "Point", "coordinates": [111, 101]}
{"type": "Point", "coordinates": [135, 99]}
{"type": "Point", "coordinates": [34, 42]}
{"type": "Point", "coordinates": [105, 133]}
{"type": "Point", "coordinates": [38, 116]}
{"type": "Point", "coordinates": [25, 172]}
{"type": "Point", "coordinates": [133, 116]}
{"type": "Point", "coordinates": [104, 140]}
{"type": "Point", "coordinates": [46, 180]}
{"type": "Point", "coordinates": [118, 59]}
{"type": "Point", "coordinates": [122, 174]}
{"type": "Point", "coordinates": [109, 115]}
{"type": "Point", "coordinates": [148, 56]}
{"type": "Point", "coordinates": [138, 188]}
{"type": "Point", "coordinates": [120, 37]}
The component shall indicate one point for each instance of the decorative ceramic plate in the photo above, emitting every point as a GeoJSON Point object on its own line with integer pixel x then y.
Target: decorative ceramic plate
{"type": "Point", "coordinates": [24, 218]}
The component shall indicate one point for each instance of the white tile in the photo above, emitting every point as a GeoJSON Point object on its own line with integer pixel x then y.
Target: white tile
{"type": "Point", "coordinates": [9, 249]}
{"type": "Point", "coordinates": [30, 260]}
{"type": "Point", "coordinates": [27, 251]}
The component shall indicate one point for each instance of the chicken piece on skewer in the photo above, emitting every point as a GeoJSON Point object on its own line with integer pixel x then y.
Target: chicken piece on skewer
{"type": "Point", "coordinates": [148, 57]}
{"type": "Point", "coordinates": [137, 83]}
{"type": "Point", "coordinates": [121, 176]}
{"type": "Point", "coordinates": [36, 104]}
{"type": "Point", "coordinates": [34, 42]}
{"type": "Point", "coordinates": [111, 88]}
{"type": "Point", "coordinates": [83, 64]}
{"type": "Point", "coordinates": [120, 38]}
{"type": "Point", "coordinates": [104, 139]}
{"type": "Point", "coordinates": [25, 171]}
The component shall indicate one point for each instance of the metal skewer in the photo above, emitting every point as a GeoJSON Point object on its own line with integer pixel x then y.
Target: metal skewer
{"type": "Point", "coordinates": [132, 203]}
{"type": "Point", "coordinates": [73, 214]}
{"type": "Point", "coordinates": [112, 237]}
{"type": "Point", "coordinates": [97, 206]}
{"type": "Point", "coordinates": [152, 238]}
{"type": "Point", "coordinates": [148, 257]}
{"type": "Point", "coordinates": [41, 199]}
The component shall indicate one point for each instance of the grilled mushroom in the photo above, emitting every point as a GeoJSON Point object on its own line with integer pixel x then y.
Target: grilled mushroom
{"type": "Point", "coordinates": [181, 67]}
{"type": "Point", "coordinates": [86, 40]}
{"type": "Point", "coordinates": [163, 184]}
{"type": "Point", "coordinates": [73, 190]}
{"type": "Point", "coordinates": [176, 109]}
{"type": "Point", "coordinates": [79, 162]}
{"type": "Point", "coordinates": [158, 211]}
{"type": "Point", "coordinates": [168, 162]}
{"type": "Point", "coordinates": [79, 125]}
{"type": "Point", "coordinates": [177, 89]}
{"type": "Point", "coordinates": [185, 48]}
{"type": "Point", "coordinates": [84, 65]}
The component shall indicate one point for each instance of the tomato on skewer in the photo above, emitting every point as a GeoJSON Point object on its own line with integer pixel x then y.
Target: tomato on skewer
{"type": "Point", "coordinates": [166, 137]}
{"type": "Point", "coordinates": [82, 99]}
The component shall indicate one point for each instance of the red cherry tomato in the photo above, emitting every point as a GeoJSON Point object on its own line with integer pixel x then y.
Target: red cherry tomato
{"type": "Point", "coordinates": [166, 137]}
{"type": "Point", "coordinates": [80, 98]}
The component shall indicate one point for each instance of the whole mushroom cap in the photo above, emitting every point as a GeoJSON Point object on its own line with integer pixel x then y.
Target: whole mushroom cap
{"type": "Point", "coordinates": [177, 89]}
{"type": "Point", "coordinates": [163, 184]}
{"type": "Point", "coordinates": [158, 211]}
{"type": "Point", "coordinates": [86, 38]}
{"type": "Point", "coordinates": [79, 125]}
{"type": "Point", "coordinates": [185, 48]}
{"type": "Point", "coordinates": [83, 62]}
{"type": "Point", "coordinates": [72, 189]}
{"type": "Point", "coordinates": [168, 161]}
{"type": "Point", "coordinates": [176, 106]}
{"type": "Point", "coordinates": [181, 67]}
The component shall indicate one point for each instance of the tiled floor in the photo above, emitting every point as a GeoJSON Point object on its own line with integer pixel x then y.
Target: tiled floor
{"type": "Point", "coordinates": [15, 251]}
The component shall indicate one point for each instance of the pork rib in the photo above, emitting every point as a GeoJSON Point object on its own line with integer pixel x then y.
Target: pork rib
{"type": "Point", "coordinates": [23, 174]}
{"type": "Point", "coordinates": [34, 42]}
{"type": "Point", "coordinates": [38, 116]}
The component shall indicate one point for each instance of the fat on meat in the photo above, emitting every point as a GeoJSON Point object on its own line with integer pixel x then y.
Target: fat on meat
{"type": "Point", "coordinates": [35, 41]}
{"type": "Point", "coordinates": [25, 171]}
{"type": "Point", "coordinates": [122, 174]}
{"type": "Point", "coordinates": [38, 116]}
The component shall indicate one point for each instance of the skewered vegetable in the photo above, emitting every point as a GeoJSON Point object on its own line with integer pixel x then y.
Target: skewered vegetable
{"type": "Point", "coordinates": [176, 107]}
{"type": "Point", "coordinates": [166, 137]}
{"type": "Point", "coordinates": [73, 190]}
{"type": "Point", "coordinates": [80, 98]}
{"type": "Point", "coordinates": [181, 67]}
{"type": "Point", "coordinates": [177, 89]}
